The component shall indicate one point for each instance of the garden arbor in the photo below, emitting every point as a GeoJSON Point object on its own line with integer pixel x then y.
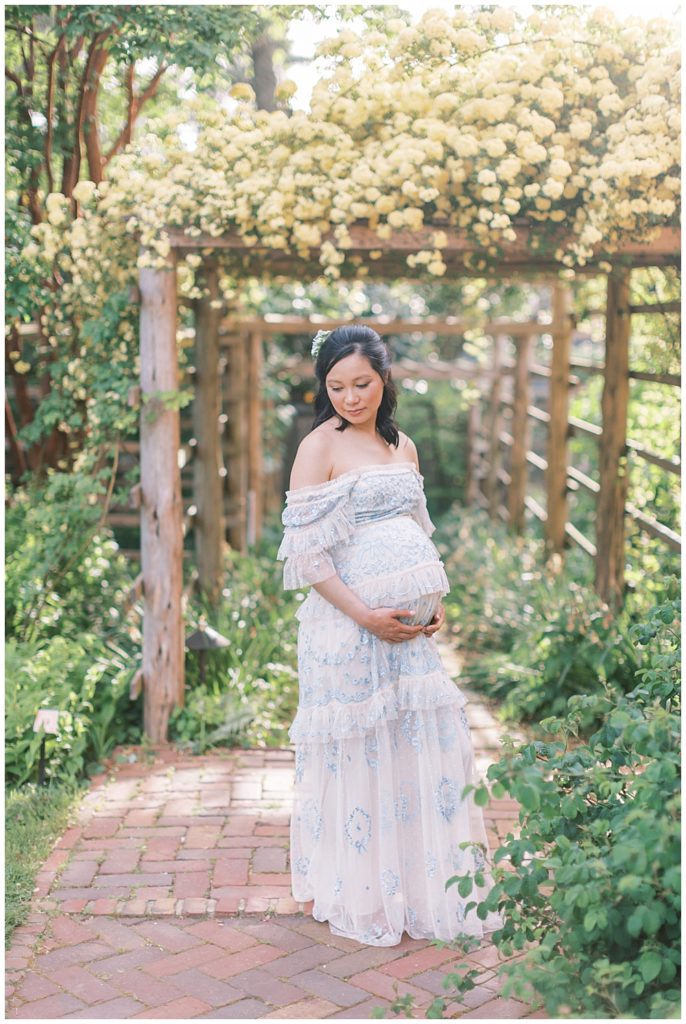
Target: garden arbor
{"type": "Point", "coordinates": [162, 515]}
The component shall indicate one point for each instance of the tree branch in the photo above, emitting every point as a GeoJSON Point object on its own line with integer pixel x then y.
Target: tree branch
{"type": "Point", "coordinates": [96, 60]}
{"type": "Point", "coordinates": [50, 110]}
{"type": "Point", "coordinates": [134, 108]}
{"type": "Point", "coordinates": [16, 80]}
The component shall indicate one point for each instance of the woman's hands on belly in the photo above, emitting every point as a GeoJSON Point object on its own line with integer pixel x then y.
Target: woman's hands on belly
{"type": "Point", "coordinates": [385, 623]}
{"type": "Point", "coordinates": [436, 622]}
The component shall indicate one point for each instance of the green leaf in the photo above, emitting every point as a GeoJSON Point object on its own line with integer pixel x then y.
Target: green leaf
{"type": "Point", "coordinates": [649, 965]}
{"type": "Point", "coordinates": [481, 796]}
{"type": "Point", "coordinates": [464, 886]}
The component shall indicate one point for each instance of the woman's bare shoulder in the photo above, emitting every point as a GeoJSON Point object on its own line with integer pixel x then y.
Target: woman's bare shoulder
{"type": "Point", "coordinates": [407, 449]}
{"type": "Point", "coordinates": [313, 462]}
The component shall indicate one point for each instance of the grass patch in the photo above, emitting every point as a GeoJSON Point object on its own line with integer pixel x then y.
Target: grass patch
{"type": "Point", "coordinates": [34, 818]}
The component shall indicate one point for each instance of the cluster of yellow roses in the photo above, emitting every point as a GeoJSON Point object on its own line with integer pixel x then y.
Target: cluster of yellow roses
{"type": "Point", "coordinates": [466, 123]}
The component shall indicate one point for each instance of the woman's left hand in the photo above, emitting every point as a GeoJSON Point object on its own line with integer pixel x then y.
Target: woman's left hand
{"type": "Point", "coordinates": [436, 622]}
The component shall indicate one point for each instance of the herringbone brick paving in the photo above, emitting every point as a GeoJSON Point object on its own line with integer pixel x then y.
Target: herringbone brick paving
{"type": "Point", "coordinates": [170, 899]}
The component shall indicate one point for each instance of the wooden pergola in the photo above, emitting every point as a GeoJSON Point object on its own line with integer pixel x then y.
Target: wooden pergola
{"type": "Point", "coordinates": [161, 510]}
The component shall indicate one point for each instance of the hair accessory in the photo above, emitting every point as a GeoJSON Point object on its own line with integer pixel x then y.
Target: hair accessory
{"type": "Point", "coordinates": [317, 342]}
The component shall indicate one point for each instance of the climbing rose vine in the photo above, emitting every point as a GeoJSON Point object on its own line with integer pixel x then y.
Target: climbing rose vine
{"type": "Point", "coordinates": [478, 123]}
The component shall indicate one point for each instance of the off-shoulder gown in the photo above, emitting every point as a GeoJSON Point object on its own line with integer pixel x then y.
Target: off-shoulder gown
{"type": "Point", "coordinates": [383, 747]}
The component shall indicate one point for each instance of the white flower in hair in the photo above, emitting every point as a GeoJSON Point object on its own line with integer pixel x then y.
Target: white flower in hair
{"type": "Point", "coordinates": [317, 342]}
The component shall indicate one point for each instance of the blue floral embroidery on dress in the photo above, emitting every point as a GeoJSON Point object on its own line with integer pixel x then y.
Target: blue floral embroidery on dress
{"type": "Point", "coordinates": [358, 829]}
{"type": "Point", "coordinates": [371, 750]}
{"type": "Point", "coordinates": [447, 798]}
{"type": "Point", "coordinates": [302, 865]}
{"type": "Point", "coordinates": [375, 931]}
{"type": "Point", "coordinates": [338, 887]}
{"type": "Point", "coordinates": [407, 802]}
{"type": "Point", "coordinates": [411, 728]}
{"type": "Point", "coordinates": [331, 750]}
{"type": "Point", "coordinates": [463, 718]}
{"type": "Point", "coordinates": [300, 760]}
{"type": "Point", "coordinates": [390, 882]}
{"type": "Point", "coordinates": [312, 819]}
{"type": "Point", "coordinates": [411, 917]}
{"type": "Point", "coordinates": [431, 864]}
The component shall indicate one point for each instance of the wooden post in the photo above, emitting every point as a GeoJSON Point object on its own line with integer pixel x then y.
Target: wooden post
{"type": "Point", "coordinates": [494, 421]}
{"type": "Point", "coordinates": [609, 575]}
{"type": "Point", "coordinates": [237, 424]}
{"type": "Point", "coordinates": [520, 434]}
{"type": "Point", "coordinates": [255, 474]}
{"type": "Point", "coordinates": [473, 432]}
{"type": "Point", "coordinates": [161, 508]}
{"type": "Point", "coordinates": [558, 410]}
{"type": "Point", "coordinates": [207, 459]}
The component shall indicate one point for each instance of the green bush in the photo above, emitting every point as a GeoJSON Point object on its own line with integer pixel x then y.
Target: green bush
{"type": "Point", "coordinates": [579, 647]}
{"type": "Point", "coordinates": [88, 684]}
{"type": "Point", "coordinates": [249, 692]}
{"type": "Point", "coordinates": [501, 584]}
{"type": "Point", "coordinates": [593, 879]}
{"type": "Point", "coordinates": [533, 630]}
{"type": "Point", "coordinates": [64, 573]}
{"type": "Point", "coordinates": [67, 645]}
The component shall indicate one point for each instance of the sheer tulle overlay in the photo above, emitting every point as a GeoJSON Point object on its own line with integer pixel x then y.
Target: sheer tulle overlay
{"type": "Point", "coordinates": [383, 749]}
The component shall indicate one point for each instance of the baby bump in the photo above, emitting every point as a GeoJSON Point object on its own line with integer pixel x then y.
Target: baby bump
{"type": "Point", "coordinates": [383, 549]}
{"type": "Point", "coordinates": [423, 609]}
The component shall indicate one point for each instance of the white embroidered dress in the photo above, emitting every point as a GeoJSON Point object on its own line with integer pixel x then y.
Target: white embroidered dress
{"type": "Point", "coordinates": [383, 748]}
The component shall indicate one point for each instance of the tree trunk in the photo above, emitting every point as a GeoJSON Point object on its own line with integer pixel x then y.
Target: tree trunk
{"type": "Point", "coordinates": [264, 76]}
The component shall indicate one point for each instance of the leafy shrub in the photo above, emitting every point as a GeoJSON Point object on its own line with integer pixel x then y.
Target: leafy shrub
{"type": "Point", "coordinates": [87, 683]}
{"type": "Point", "coordinates": [63, 571]}
{"type": "Point", "coordinates": [579, 647]}
{"type": "Point", "coordinates": [249, 693]}
{"type": "Point", "coordinates": [500, 583]}
{"type": "Point", "coordinates": [68, 647]}
{"type": "Point", "coordinates": [534, 631]}
{"type": "Point", "coordinates": [593, 879]}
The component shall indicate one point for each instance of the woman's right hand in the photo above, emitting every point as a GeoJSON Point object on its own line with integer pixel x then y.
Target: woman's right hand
{"type": "Point", "coordinates": [384, 623]}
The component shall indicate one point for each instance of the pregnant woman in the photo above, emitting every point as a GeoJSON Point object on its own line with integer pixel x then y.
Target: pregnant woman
{"type": "Point", "coordinates": [383, 749]}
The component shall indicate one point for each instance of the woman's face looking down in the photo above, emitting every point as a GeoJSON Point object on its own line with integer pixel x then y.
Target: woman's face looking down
{"type": "Point", "coordinates": [355, 389]}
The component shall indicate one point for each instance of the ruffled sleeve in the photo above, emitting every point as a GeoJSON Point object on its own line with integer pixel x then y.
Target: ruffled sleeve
{"type": "Point", "coordinates": [420, 512]}
{"type": "Point", "coordinates": [316, 519]}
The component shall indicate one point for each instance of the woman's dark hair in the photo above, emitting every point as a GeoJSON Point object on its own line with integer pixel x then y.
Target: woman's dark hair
{"type": "Point", "coordinates": [341, 343]}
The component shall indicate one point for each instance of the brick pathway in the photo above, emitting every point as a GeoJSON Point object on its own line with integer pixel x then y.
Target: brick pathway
{"type": "Point", "coordinates": [170, 899]}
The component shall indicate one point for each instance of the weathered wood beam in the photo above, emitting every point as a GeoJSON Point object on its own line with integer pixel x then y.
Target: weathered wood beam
{"type": "Point", "coordinates": [255, 497]}
{"type": "Point", "coordinates": [276, 323]}
{"type": "Point", "coordinates": [473, 431]}
{"type": "Point", "coordinates": [161, 509]}
{"type": "Point", "coordinates": [613, 464]}
{"type": "Point", "coordinates": [666, 246]}
{"type": "Point", "coordinates": [558, 428]}
{"type": "Point", "coordinates": [207, 459]}
{"type": "Point", "coordinates": [237, 430]}
{"type": "Point", "coordinates": [520, 434]}
{"type": "Point", "coordinates": [491, 488]}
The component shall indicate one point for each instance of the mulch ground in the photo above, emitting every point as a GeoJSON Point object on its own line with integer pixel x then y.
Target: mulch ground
{"type": "Point", "coordinates": [170, 898]}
